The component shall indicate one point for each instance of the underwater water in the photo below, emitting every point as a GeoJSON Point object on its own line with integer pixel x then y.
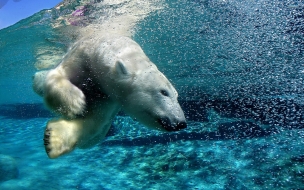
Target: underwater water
{"type": "Point", "coordinates": [238, 68]}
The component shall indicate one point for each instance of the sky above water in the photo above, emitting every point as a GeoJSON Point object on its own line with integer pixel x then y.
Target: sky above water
{"type": "Point", "coordinates": [12, 11]}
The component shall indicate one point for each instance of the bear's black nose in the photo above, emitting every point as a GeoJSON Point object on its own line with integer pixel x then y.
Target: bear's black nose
{"type": "Point", "coordinates": [182, 125]}
{"type": "Point", "coordinates": [168, 126]}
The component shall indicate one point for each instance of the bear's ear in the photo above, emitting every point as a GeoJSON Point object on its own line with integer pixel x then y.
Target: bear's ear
{"type": "Point", "coordinates": [121, 68]}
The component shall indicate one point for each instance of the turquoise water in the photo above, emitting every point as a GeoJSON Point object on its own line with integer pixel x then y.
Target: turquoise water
{"type": "Point", "coordinates": [238, 68]}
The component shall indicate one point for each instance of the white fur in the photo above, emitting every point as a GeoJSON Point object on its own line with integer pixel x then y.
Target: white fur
{"type": "Point", "coordinates": [95, 79]}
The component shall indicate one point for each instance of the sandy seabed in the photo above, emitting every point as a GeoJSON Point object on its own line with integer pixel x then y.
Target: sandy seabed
{"type": "Point", "coordinates": [133, 157]}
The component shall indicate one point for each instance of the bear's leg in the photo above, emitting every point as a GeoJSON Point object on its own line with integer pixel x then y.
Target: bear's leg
{"type": "Point", "coordinates": [62, 96]}
{"type": "Point", "coordinates": [39, 82]}
{"type": "Point", "coordinates": [62, 136]}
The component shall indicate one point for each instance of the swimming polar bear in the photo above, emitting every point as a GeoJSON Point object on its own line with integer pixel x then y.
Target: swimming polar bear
{"type": "Point", "coordinates": [97, 78]}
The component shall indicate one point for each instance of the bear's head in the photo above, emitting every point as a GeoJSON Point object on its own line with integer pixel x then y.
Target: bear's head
{"type": "Point", "coordinates": [148, 96]}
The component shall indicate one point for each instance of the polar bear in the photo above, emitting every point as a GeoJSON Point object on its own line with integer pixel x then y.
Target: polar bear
{"type": "Point", "coordinates": [97, 78]}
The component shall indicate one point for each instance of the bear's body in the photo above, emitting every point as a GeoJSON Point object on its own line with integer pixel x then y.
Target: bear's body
{"type": "Point", "coordinates": [98, 77]}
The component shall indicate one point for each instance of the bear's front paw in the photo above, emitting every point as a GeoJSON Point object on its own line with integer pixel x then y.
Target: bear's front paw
{"type": "Point", "coordinates": [65, 99]}
{"type": "Point", "coordinates": [58, 139]}
{"type": "Point", "coordinates": [74, 103]}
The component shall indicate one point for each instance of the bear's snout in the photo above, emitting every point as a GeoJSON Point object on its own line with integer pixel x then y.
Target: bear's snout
{"type": "Point", "coordinates": [169, 126]}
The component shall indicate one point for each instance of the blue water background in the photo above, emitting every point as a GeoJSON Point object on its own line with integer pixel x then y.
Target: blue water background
{"type": "Point", "coordinates": [238, 68]}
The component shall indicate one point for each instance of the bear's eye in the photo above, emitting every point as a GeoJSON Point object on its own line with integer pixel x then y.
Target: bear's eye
{"type": "Point", "coordinates": [164, 92]}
